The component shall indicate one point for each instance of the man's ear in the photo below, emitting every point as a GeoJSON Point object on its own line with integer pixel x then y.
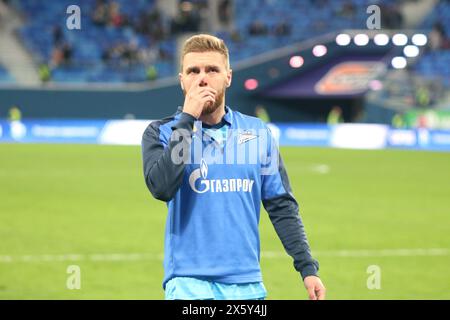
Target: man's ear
{"type": "Point", "coordinates": [180, 77]}
{"type": "Point", "coordinates": [229, 78]}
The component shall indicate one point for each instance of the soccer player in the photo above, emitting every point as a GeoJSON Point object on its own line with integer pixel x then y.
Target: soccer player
{"type": "Point", "coordinates": [212, 246]}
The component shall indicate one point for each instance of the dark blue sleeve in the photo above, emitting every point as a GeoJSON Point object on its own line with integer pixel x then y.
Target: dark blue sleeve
{"type": "Point", "coordinates": [283, 211]}
{"type": "Point", "coordinates": [163, 176]}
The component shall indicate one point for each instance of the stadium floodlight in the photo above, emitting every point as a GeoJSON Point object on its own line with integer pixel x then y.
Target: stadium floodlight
{"type": "Point", "coordinates": [251, 84]}
{"type": "Point", "coordinates": [399, 39]}
{"type": "Point", "coordinates": [296, 61]}
{"type": "Point", "coordinates": [411, 51]}
{"type": "Point", "coordinates": [343, 39]}
{"type": "Point", "coordinates": [361, 39]}
{"type": "Point", "coordinates": [419, 39]}
{"type": "Point", "coordinates": [399, 62]}
{"type": "Point", "coordinates": [319, 50]}
{"type": "Point", "coordinates": [381, 39]}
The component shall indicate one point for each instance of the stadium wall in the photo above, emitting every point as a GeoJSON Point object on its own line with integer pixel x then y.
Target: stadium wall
{"type": "Point", "coordinates": [129, 132]}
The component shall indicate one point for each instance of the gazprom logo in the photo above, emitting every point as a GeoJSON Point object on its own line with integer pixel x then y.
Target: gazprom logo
{"type": "Point", "coordinates": [198, 177]}
{"type": "Point", "coordinates": [204, 168]}
{"type": "Point", "coordinates": [197, 174]}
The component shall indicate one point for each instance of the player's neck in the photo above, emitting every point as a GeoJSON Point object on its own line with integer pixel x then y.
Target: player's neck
{"type": "Point", "coordinates": [215, 117]}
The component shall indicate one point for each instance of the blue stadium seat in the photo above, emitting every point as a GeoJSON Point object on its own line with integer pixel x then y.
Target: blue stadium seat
{"type": "Point", "coordinates": [88, 44]}
{"type": "Point", "coordinates": [300, 14]}
{"type": "Point", "coordinates": [436, 64]}
{"type": "Point", "coordinates": [5, 76]}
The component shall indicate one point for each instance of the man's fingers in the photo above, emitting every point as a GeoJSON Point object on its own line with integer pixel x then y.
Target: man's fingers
{"type": "Point", "coordinates": [197, 82]}
{"type": "Point", "coordinates": [208, 94]}
{"type": "Point", "coordinates": [196, 85]}
{"type": "Point", "coordinates": [321, 293]}
{"type": "Point", "coordinates": [208, 100]}
{"type": "Point", "coordinates": [208, 90]}
{"type": "Point", "coordinates": [202, 92]}
{"type": "Point", "coordinates": [315, 288]}
{"type": "Point", "coordinates": [312, 294]}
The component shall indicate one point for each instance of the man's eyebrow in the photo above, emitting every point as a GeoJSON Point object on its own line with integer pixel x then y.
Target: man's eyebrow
{"type": "Point", "coordinates": [212, 66]}
{"type": "Point", "coordinates": [193, 68]}
{"type": "Point", "coordinates": [189, 69]}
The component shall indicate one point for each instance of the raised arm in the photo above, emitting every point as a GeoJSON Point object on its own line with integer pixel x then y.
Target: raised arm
{"type": "Point", "coordinates": [163, 175]}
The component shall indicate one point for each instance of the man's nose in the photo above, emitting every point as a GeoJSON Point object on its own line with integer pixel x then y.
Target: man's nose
{"type": "Point", "coordinates": [203, 81]}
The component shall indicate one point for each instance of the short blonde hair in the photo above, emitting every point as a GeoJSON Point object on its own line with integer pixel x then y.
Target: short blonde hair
{"type": "Point", "coordinates": [205, 43]}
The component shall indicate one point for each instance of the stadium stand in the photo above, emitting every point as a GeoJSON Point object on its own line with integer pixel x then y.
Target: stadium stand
{"type": "Point", "coordinates": [435, 63]}
{"type": "Point", "coordinates": [5, 77]}
{"type": "Point", "coordinates": [122, 39]}
{"type": "Point", "coordinates": [118, 41]}
{"type": "Point", "coordinates": [265, 25]}
{"type": "Point", "coordinates": [131, 41]}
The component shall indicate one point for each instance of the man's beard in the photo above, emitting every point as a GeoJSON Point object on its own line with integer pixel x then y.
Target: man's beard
{"type": "Point", "coordinates": [211, 107]}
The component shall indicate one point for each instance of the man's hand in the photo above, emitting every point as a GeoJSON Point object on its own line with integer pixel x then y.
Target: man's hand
{"type": "Point", "coordinates": [315, 288]}
{"type": "Point", "coordinates": [197, 97]}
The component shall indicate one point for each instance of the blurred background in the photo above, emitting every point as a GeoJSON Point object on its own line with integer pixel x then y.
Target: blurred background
{"type": "Point", "coordinates": [356, 91]}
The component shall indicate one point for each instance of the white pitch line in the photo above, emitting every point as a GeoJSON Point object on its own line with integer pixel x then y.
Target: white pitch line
{"type": "Point", "coordinates": [119, 257]}
{"type": "Point", "coordinates": [81, 257]}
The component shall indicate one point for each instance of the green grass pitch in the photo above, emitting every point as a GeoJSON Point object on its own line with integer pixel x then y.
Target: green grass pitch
{"type": "Point", "coordinates": [91, 201]}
